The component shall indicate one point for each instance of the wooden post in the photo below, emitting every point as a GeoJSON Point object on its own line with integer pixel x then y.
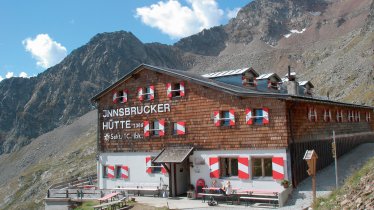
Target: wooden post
{"type": "Point", "coordinates": [311, 159]}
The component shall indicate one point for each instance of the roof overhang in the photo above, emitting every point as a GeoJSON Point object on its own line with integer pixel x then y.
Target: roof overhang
{"type": "Point", "coordinates": [173, 155]}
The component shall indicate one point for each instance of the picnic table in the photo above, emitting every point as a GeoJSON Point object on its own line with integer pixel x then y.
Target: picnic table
{"type": "Point", "coordinates": [214, 192]}
{"type": "Point", "coordinates": [110, 196]}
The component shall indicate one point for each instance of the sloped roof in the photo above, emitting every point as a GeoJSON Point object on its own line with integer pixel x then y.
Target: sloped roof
{"type": "Point", "coordinates": [268, 75]}
{"type": "Point", "coordinates": [303, 83]}
{"type": "Point", "coordinates": [229, 73]}
{"type": "Point", "coordinates": [173, 155]}
{"type": "Point", "coordinates": [217, 85]}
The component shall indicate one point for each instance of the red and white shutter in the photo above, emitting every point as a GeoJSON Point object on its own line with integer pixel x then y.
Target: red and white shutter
{"type": "Point", "coordinates": [182, 91]}
{"type": "Point", "coordinates": [110, 171]}
{"type": "Point", "coordinates": [214, 167]}
{"type": "Point", "coordinates": [140, 94]}
{"type": "Point", "coordinates": [217, 119]}
{"type": "Point", "coordinates": [146, 128]}
{"type": "Point", "coordinates": [232, 116]}
{"type": "Point", "coordinates": [243, 168]}
{"type": "Point", "coordinates": [115, 97]}
{"type": "Point", "coordinates": [181, 128]}
{"type": "Point", "coordinates": [163, 170]}
{"type": "Point", "coordinates": [152, 92]}
{"type": "Point", "coordinates": [278, 168]}
{"type": "Point", "coordinates": [148, 165]}
{"type": "Point", "coordinates": [168, 90]}
{"type": "Point", "coordinates": [269, 84]}
{"type": "Point", "coordinates": [255, 82]}
{"type": "Point", "coordinates": [248, 117]}
{"type": "Point", "coordinates": [124, 172]}
{"type": "Point", "coordinates": [265, 115]}
{"type": "Point", "coordinates": [161, 127]}
{"type": "Point", "coordinates": [124, 96]}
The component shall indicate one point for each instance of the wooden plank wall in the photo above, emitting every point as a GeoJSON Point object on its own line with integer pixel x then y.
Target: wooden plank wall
{"type": "Point", "coordinates": [323, 148]}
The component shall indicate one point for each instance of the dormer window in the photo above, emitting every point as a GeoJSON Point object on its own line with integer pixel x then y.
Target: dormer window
{"type": "Point", "coordinates": [273, 85]}
{"type": "Point", "coordinates": [175, 90]}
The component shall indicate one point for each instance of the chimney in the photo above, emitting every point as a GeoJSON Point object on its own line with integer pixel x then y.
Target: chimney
{"type": "Point", "coordinates": [292, 84]}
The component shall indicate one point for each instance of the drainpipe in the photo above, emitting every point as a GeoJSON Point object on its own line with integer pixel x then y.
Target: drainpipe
{"type": "Point", "coordinates": [292, 145]}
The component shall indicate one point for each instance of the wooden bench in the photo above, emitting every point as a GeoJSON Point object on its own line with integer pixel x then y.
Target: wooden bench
{"type": "Point", "coordinates": [213, 195]}
{"type": "Point", "coordinates": [139, 188]}
{"type": "Point", "coordinates": [260, 195]}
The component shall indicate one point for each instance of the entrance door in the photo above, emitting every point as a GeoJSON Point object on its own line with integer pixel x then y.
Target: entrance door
{"type": "Point", "coordinates": [180, 177]}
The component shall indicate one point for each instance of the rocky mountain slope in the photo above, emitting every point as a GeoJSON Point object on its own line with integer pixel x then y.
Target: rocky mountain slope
{"type": "Point", "coordinates": [54, 157]}
{"type": "Point", "coordinates": [332, 45]}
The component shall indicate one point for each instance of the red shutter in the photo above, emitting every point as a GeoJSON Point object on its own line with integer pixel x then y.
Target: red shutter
{"type": "Point", "coordinates": [124, 172]}
{"type": "Point", "coordinates": [163, 170]}
{"type": "Point", "coordinates": [168, 90]}
{"type": "Point", "coordinates": [248, 117]}
{"type": "Point", "coordinates": [182, 91]}
{"type": "Point", "coordinates": [140, 94]}
{"type": "Point", "coordinates": [278, 168]}
{"type": "Point", "coordinates": [214, 167]}
{"type": "Point", "coordinates": [255, 82]}
{"type": "Point", "coordinates": [232, 116]}
{"type": "Point", "coordinates": [269, 84]}
{"type": "Point", "coordinates": [243, 168]}
{"type": "Point", "coordinates": [146, 128]}
{"type": "Point", "coordinates": [148, 165]}
{"type": "Point", "coordinates": [181, 129]}
{"type": "Point", "coordinates": [152, 92]}
{"type": "Point", "coordinates": [265, 115]}
{"type": "Point", "coordinates": [124, 96]}
{"type": "Point", "coordinates": [110, 171]}
{"type": "Point", "coordinates": [115, 97]}
{"type": "Point", "coordinates": [161, 127]}
{"type": "Point", "coordinates": [217, 119]}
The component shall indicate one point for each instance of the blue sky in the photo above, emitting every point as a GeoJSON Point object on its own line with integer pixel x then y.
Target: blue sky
{"type": "Point", "coordinates": [38, 34]}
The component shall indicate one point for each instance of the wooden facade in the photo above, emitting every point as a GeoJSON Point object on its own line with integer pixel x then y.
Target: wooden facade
{"type": "Point", "coordinates": [295, 123]}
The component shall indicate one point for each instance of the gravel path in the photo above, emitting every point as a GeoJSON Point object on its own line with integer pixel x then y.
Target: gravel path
{"type": "Point", "coordinates": [301, 197]}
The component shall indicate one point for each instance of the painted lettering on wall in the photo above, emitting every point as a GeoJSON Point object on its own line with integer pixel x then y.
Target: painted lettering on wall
{"type": "Point", "coordinates": [111, 123]}
{"type": "Point", "coordinates": [136, 110]}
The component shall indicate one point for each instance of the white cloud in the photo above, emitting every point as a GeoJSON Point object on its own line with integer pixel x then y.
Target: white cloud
{"type": "Point", "coordinates": [46, 51]}
{"type": "Point", "coordinates": [23, 74]}
{"type": "Point", "coordinates": [232, 13]}
{"type": "Point", "coordinates": [179, 21]}
{"type": "Point", "coordinates": [9, 75]}
{"type": "Point", "coordinates": [1, 78]}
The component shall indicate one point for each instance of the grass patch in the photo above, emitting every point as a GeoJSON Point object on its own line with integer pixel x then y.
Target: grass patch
{"type": "Point", "coordinates": [87, 205]}
{"type": "Point", "coordinates": [351, 185]}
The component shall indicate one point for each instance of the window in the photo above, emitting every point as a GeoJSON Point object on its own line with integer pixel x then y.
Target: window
{"type": "Point", "coordinates": [327, 115]}
{"type": "Point", "coordinates": [175, 90]}
{"type": "Point", "coordinates": [105, 171]}
{"type": "Point", "coordinates": [312, 115]}
{"type": "Point", "coordinates": [154, 128]}
{"type": "Point", "coordinates": [147, 93]}
{"type": "Point", "coordinates": [120, 96]}
{"type": "Point", "coordinates": [273, 85]}
{"type": "Point", "coordinates": [224, 118]}
{"type": "Point", "coordinates": [368, 117]}
{"type": "Point", "coordinates": [339, 116]}
{"type": "Point", "coordinates": [228, 167]}
{"type": "Point", "coordinates": [258, 116]}
{"type": "Point", "coordinates": [262, 167]}
{"type": "Point", "coordinates": [350, 116]}
{"type": "Point", "coordinates": [179, 128]}
{"type": "Point", "coordinates": [358, 116]}
{"type": "Point", "coordinates": [118, 172]}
